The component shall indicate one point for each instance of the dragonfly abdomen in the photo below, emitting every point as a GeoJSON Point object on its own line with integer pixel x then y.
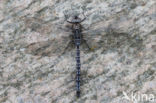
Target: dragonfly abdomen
{"type": "Point", "coordinates": [78, 66]}
{"type": "Point", "coordinates": [77, 40]}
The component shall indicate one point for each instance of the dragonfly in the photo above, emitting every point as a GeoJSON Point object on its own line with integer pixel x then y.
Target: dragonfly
{"type": "Point", "coordinates": [73, 35]}
{"type": "Point", "coordinates": [77, 37]}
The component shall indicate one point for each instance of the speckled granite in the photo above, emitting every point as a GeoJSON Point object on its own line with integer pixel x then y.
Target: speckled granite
{"type": "Point", "coordinates": [122, 34]}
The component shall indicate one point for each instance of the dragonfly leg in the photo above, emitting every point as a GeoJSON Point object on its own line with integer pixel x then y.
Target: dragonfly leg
{"type": "Point", "coordinates": [85, 43]}
{"type": "Point", "coordinates": [70, 45]}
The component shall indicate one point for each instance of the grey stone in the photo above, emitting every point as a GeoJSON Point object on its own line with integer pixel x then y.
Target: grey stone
{"type": "Point", "coordinates": [34, 33]}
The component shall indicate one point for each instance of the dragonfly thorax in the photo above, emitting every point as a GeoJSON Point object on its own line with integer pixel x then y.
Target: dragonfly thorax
{"type": "Point", "coordinates": [76, 26]}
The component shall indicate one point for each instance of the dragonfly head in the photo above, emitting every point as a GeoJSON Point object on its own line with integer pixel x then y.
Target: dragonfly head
{"type": "Point", "coordinates": [76, 17]}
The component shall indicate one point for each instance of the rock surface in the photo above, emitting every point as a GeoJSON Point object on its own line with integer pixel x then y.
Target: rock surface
{"type": "Point", "coordinates": [121, 33]}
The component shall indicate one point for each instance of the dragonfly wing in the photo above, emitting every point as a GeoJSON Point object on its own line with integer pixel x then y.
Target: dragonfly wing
{"type": "Point", "coordinates": [92, 39]}
{"type": "Point", "coordinates": [57, 35]}
{"type": "Point", "coordinates": [95, 33]}
{"type": "Point", "coordinates": [64, 27]}
{"type": "Point", "coordinates": [91, 42]}
{"type": "Point", "coordinates": [46, 27]}
{"type": "Point", "coordinates": [54, 47]}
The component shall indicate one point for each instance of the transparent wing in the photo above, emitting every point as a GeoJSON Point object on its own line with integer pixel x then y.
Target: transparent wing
{"type": "Point", "coordinates": [46, 27]}
{"type": "Point", "coordinates": [58, 40]}
{"type": "Point", "coordinates": [54, 47]}
{"type": "Point", "coordinates": [94, 34]}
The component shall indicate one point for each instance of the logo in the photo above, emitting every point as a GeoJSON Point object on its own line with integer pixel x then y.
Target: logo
{"type": "Point", "coordinates": [138, 97]}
